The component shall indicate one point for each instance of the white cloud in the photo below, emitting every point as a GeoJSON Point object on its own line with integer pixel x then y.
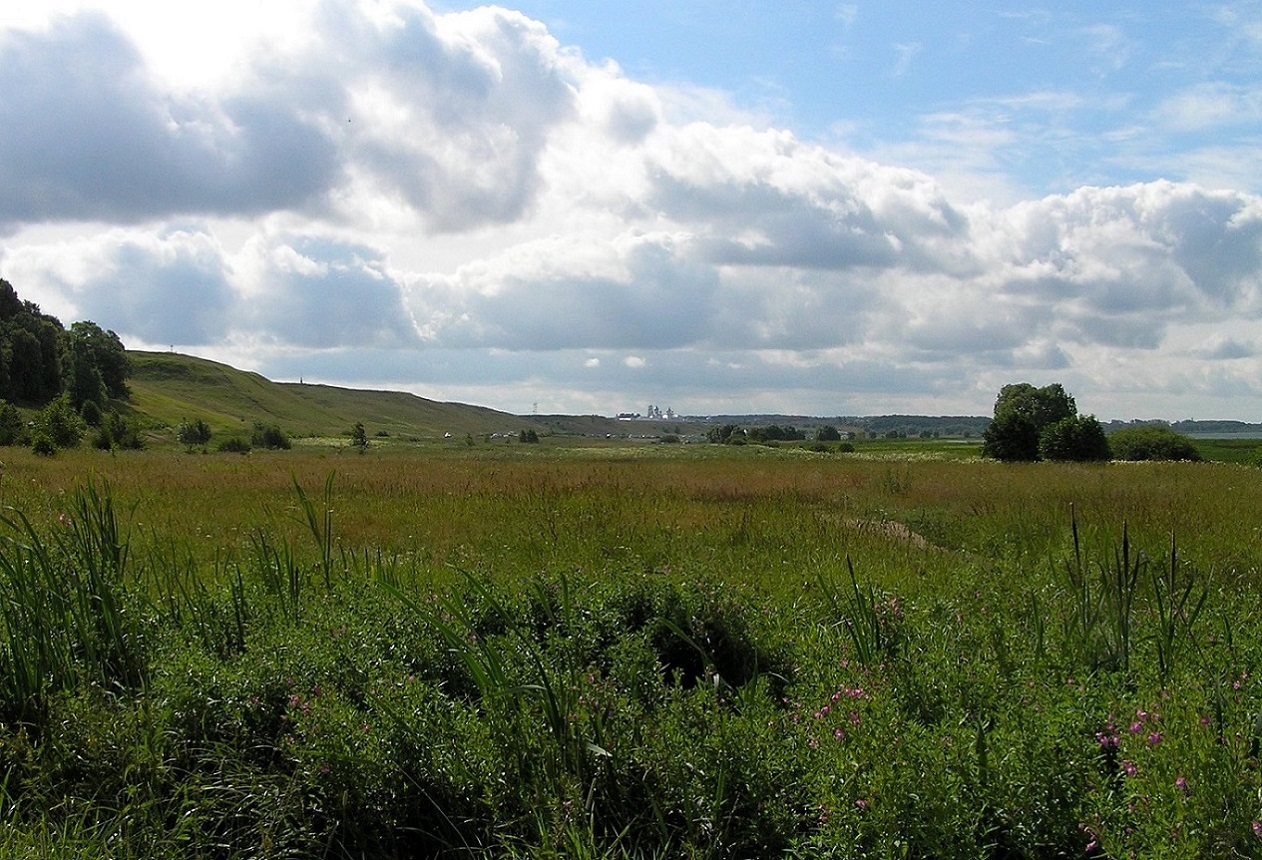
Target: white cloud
{"type": "Point", "coordinates": [459, 203]}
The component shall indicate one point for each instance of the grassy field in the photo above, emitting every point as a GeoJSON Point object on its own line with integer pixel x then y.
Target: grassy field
{"type": "Point", "coordinates": [510, 650]}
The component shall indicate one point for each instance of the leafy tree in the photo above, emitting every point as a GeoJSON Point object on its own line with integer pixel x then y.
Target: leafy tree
{"type": "Point", "coordinates": [1021, 413]}
{"type": "Point", "coordinates": [105, 353]}
{"type": "Point", "coordinates": [31, 347]}
{"type": "Point", "coordinates": [529, 437]}
{"type": "Point", "coordinates": [1153, 443]}
{"type": "Point", "coordinates": [39, 359]}
{"type": "Point", "coordinates": [1079, 438]}
{"type": "Point", "coordinates": [828, 433]}
{"type": "Point", "coordinates": [95, 365]}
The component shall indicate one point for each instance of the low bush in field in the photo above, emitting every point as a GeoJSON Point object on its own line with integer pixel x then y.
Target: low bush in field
{"type": "Point", "coordinates": [1152, 443]}
{"type": "Point", "coordinates": [343, 704]}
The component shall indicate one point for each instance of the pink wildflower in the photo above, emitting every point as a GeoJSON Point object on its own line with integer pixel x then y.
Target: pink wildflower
{"type": "Point", "coordinates": [1154, 738]}
{"type": "Point", "coordinates": [1129, 768]}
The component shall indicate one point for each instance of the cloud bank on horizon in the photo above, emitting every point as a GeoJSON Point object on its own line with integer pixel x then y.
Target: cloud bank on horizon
{"type": "Point", "coordinates": [820, 209]}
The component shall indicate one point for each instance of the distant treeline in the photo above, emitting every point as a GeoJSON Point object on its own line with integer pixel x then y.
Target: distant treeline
{"type": "Point", "coordinates": [1191, 426]}
{"type": "Point", "coordinates": [875, 426]}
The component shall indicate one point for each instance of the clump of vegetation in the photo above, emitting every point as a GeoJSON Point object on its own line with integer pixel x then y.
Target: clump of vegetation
{"type": "Point", "coordinates": [117, 432]}
{"type": "Point", "coordinates": [1153, 443]}
{"type": "Point", "coordinates": [193, 433]}
{"type": "Point", "coordinates": [270, 437]}
{"type": "Point", "coordinates": [234, 445]}
{"type": "Point", "coordinates": [359, 437]}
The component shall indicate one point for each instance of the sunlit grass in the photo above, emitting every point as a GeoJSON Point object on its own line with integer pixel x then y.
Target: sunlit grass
{"type": "Point", "coordinates": [650, 650]}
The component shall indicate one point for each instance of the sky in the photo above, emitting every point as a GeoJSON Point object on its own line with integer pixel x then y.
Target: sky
{"type": "Point", "coordinates": [711, 206]}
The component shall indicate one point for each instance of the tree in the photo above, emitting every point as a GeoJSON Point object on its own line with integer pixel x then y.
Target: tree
{"type": "Point", "coordinates": [1021, 413]}
{"type": "Point", "coordinates": [1078, 438]}
{"type": "Point", "coordinates": [1153, 443]}
{"type": "Point", "coordinates": [529, 437]}
{"type": "Point", "coordinates": [828, 433]}
{"type": "Point", "coordinates": [359, 436]}
{"type": "Point", "coordinates": [96, 364]}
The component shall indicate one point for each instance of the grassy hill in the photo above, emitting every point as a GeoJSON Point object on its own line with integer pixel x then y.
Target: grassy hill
{"type": "Point", "coordinates": [170, 388]}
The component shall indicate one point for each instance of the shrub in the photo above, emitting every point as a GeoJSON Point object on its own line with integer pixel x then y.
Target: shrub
{"type": "Point", "coordinates": [91, 413]}
{"type": "Point", "coordinates": [269, 436]}
{"type": "Point", "coordinates": [42, 444]}
{"type": "Point", "coordinates": [359, 436]}
{"type": "Point", "coordinates": [60, 423]}
{"type": "Point", "coordinates": [13, 429]}
{"type": "Point", "coordinates": [234, 445]}
{"type": "Point", "coordinates": [195, 432]}
{"type": "Point", "coordinates": [1152, 443]}
{"type": "Point", "coordinates": [115, 431]}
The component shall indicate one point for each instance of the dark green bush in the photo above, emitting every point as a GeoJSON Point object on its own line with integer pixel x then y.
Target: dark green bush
{"type": "Point", "coordinates": [269, 436]}
{"type": "Point", "coordinates": [1152, 443]}
{"type": "Point", "coordinates": [234, 445]}
{"type": "Point", "coordinates": [1078, 438]}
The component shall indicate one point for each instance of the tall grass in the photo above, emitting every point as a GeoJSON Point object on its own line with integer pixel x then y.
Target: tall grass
{"type": "Point", "coordinates": [753, 654]}
{"type": "Point", "coordinates": [66, 614]}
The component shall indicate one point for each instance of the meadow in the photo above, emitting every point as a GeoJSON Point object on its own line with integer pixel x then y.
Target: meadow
{"type": "Point", "coordinates": [646, 651]}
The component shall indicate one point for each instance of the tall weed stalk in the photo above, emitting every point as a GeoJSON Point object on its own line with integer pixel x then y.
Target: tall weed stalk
{"type": "Point", "coordinates": [857, 610]}
{"type": "Point", "coordinates": [1102, 601]}
{"type": "Point", "coordinates": [1178, 601]}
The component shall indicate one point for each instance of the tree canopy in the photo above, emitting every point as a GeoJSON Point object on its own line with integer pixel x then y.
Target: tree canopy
{"type": "Point", "coordinates": [1042, 424]}
{"type": "Point", "coordinates": [40, 360]}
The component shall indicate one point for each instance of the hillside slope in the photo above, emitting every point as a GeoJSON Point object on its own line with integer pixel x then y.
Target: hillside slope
{"type": "Point", "coordinates": [170, 388]}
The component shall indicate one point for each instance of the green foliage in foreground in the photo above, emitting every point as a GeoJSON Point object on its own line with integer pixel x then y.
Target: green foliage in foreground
{"type": "Point", "coordinates": [306, 699]}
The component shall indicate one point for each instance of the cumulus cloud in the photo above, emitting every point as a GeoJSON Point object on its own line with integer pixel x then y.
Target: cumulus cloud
{"type": "Point", "coordinates": [167, 287]}
{"type": "Point", "coordinates": [314, 292]}
{"type": "Point", "coordinates": [88, 135]}
{"type": "Point", "coordinates": [458, 200]}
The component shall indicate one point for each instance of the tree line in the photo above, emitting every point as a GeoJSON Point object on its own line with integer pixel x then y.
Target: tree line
{"type": "Point", "coordinates": [70, 376]}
